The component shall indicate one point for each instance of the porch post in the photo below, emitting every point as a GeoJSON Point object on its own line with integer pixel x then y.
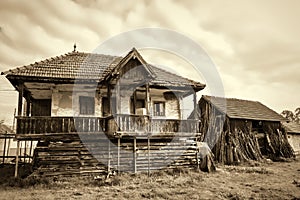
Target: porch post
{"type": "Point", "coordinates": [195, 105]}
{"type": "Point", "coordinates": [20, 100]}
{"type": "Point", "coordinates": [147, 99]}
{"type": "Point", "coordinates": [20, 103]}
{"type": "Point", "coordinates": [27, 107]}
{"type": "Point", "coordinates": [109, 98]}
{"type": "Point", "coordinates": [118, 99]}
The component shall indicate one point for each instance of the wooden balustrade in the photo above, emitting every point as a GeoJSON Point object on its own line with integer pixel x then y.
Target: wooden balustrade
{"type": "Point", "coordinates": [144, 124]}
{"type": "Point", "coordinates": [112, 124]}
{"type": "Point", "coordinates": [39, 125]}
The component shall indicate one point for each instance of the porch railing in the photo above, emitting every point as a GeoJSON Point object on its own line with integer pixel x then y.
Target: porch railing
{"type": "Point", "coordinates": [112, 124]}
{"type": "Point", "coordinates": [144, 124]}
{"type": "Point", "coordinates": [38, 125]}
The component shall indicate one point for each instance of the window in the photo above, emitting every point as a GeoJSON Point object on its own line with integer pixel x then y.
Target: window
{"type": "Point", "coordinates": [87, 105]}
{"type": "Point", "coordinates": [257, 126]}
{"type": "Point", "coordinates": [139, 103]}
{"type": "Point", "coordinates": [159, 108]}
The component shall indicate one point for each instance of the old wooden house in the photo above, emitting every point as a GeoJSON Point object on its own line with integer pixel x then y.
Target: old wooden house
{"type": "Point", "coordinates": [293, 133]}
{"type": "Point", "coordinates": [240, 130]}
{"type": "Point", "coordinates": [90, 111]}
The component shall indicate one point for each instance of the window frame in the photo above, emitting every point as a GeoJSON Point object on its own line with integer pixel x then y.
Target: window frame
{"type": "Point", "coordinates": [84, 104]}
{"type": "Point", "coordinates": [159, 114]}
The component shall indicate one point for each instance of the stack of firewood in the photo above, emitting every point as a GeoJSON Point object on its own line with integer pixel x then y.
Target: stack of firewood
{"type": "Point", "coordinates": [277, 144]}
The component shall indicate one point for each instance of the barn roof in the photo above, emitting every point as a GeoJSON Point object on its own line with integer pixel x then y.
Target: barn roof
{"type": "Point", "coordinates": [292, 127]}
{"type": "Point", "coordinates": [244, 109]}
{"type": "Point", "coordinates": [89, 66]}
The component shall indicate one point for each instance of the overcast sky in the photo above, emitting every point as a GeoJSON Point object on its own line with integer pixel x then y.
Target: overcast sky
{"type": "Point", "coordinates": [254, 44]}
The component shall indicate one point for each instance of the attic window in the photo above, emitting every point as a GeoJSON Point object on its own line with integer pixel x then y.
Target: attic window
{"type": "Point", "coordinates": [87, 105]}
{"type": "Point", "coordinates": [159, 108]}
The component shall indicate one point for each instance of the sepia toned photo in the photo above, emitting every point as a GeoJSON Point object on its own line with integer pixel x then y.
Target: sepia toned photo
{"type": "Point", "coordinates": [149, 99]}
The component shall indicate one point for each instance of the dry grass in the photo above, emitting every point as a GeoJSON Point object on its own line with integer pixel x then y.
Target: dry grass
{"type": "Point", "coordinates": [259, 181]}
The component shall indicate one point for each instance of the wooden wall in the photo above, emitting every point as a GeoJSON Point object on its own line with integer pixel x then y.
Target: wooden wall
{"type": "Point", "coordinates": [98, 155]}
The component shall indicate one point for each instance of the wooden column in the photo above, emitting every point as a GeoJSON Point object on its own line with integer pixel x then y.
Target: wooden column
{"type": "Point", "coordinates": [119, 144]}
{"type": "Point", "coordinates": [20, 103]}
{"type": "Point", "coordinates": [108, 161]}
{"type": "Point", "coordinates": [20, 100]}
{"type": "Point", "coordinates": [118, 98]}
{"type": "Point", "coordinates": [109, 98]}
{"type": "Point", "coordinates": [17, 158]}
{"type": "Point", "coordinates": [4, 150]}
{"type": "Point", "coordinates": [195, 105]}
{"type": "Point", "coordinates": [148, 155]}
{"type": "Point", "coordinates": [30, 151]}
{"type": "Point", "coordinates": [134, 155]}
{"type": "Point", "coordinates": [148, 99]}
{"type": "Point", "coordinates": [134, 102]}
{"type": "Point", "coordinates": [28, 107]}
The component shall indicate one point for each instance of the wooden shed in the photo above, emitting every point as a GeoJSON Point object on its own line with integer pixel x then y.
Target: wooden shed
{"type": "Point", "coordinates": [293, 134]}
{"type": "Point", "coordinates": [238, 130]}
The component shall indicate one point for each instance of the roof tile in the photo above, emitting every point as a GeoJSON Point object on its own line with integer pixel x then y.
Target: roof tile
{"type": "Point", "coordinates": [80, 65]}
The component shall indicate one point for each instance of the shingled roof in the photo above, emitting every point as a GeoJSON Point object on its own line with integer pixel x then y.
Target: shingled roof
{"type": "Point", "coordinates": [89, 66]}
{"type": "Point", "coordinates": [243, 109]}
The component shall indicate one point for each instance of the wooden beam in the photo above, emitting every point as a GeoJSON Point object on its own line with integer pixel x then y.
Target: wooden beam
{"type": "Point", "coordinates": [4, 150]}
{"type": "Point", "coordinates": [195, 105]}
{"type": "Point", "coordinates": [119, 144]}
{"type": "Point", "coordinates": [20, 100]}
{"type": "Point", "coordinates": [134, 102]}
{"type": "Point", "coordinates": [118, 98]}
{"type": "Point", "coordinates": [109, 98]}
{"type": "Point", "coordinates": [108, 162]}
{"type": "Point", "coordinates": [148, 99]}
{"type": "Point", "coordinates": [134, 155]}
{"type": "Point", "coordinates": [30, 151]}
{"type": "Point", "coordinates": [17, 159]}
{"type": "Point", "coordinates": [148, 143]}
{"type": "Point", "coordinates": [28, 109]}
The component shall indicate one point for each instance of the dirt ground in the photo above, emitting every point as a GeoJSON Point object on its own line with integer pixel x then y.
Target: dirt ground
{"type": "Point", "coordinates": [272, 180]}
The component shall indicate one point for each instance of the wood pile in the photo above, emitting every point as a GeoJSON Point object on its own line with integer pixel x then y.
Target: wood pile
{"type": "Point", "coordinates": [236, 144]}
{"type": "Point", "coordinates": [277, 144]}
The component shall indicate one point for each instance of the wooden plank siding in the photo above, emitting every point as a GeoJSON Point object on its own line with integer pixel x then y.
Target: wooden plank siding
{"type": "Point", "coordinates": [128, 154]}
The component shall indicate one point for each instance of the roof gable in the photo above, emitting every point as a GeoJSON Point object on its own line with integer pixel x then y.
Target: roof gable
{"type": "Point", "coordinates": [243, 109]}
{"type": "Point", "coordinates": [132, 55]}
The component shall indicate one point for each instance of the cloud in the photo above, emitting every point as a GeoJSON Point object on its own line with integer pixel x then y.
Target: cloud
{"type": "Point", "coordinates": [254, 44]}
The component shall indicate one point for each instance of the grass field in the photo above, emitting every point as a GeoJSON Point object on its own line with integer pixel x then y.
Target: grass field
{"type": "Point", "coordinates": [274, 180]}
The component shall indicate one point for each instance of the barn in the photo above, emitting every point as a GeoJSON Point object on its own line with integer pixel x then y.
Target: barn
{"type": "Point", "coordinates": [240, 130]}
{"type": "Point", "coordinates": [293, 134]}
{"type": "Point", "coordinates": [94, 113]}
